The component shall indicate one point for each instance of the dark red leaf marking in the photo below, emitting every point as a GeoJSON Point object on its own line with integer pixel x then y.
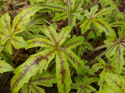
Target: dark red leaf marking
{"type": "Point", "coordinates": [52, 36]}
{"type": "Point", "coordinates": [67, 46]}
{"type": "Point", "coordinates": [62, 37]}
{"type": "Point", "coordinates": [55, 7]}
{"type": "Point", "coordinates": [73, 59]}
{"type": "Point", "coordinates": [7, 27]}
{"type": "Point", "coordinates": [35, 62]}
{"type": "Point", "coordinates": [35, 88]}
{"type": "Point", "coordinates": [21, 18]}
{"type": "Point", "coordinates": [63, 70]}
{"type": "Point", "coordinates": [102, 25]}
{"type": "Point", "coordinates": [40, 42]}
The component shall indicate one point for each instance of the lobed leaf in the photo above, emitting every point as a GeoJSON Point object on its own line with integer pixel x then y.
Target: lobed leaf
{"type": "Point", "coordinates": [18, 42]}
{"type": "Point", "coordinates": [4, 66]}
{"type": "Point", "coordinates": [75, 60]}
{"type": "Point", "coordinates": [83, 84]}
{"type": "Point", "coordinates": [25, 71]}
{"type": "Point", "coordinates": [116, 82]}
{"type": "Point", "coordinates": [85, 26]}
{"type": "Point", "coordinates": [74, 42]}
{"type": "Point", "coordinates": [63, 34]}
{"type": "Point", "coordinates": [44, 79]}
{"type": "Point", "coordinates": [39, 42]}
{"type": "Point", "coordinates": [103, 12]}
{"type": "Point", "coordinates": [62, 73]}
{"type": "Point", "coordinates": [50, 32]}
{"type": "Point", "coordinates": [103, 26]}
{"type": "Point", "coordinates": [5, 27]}
{"type": "Point", "coordinates": [22, 19]}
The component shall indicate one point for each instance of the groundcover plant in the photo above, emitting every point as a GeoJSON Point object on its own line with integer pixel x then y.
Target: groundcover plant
{"type": "Point", "coordinates": [79, 47]}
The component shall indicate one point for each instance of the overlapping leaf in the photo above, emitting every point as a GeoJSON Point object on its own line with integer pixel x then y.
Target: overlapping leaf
{"type": "Point", "coordinates": [93, 17]}
{"type": "Point", "coordinates": [4, 66]}
{"type": "Point", "coordinates": [30, 67]}
{"type": "Point", "coordinates": [7, 33]}
{"type": "Point", "coordinates": [44, 79]}
{"type": "Point", "coordinates": [53, 46]}
{"type": "Point", "coordinates": [116, 82]}
{"type": "Point", "coordinates": [83, 84]}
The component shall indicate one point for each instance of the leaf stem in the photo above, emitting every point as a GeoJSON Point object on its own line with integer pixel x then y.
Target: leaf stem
{"type": "Point", "coordinates": [93, 61]}
{"type": "Point", "coordinates": [68, 12]}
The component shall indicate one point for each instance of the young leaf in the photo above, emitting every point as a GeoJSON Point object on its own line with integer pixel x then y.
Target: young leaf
{"type": "Point", "coordinates": [4, 66]}
{"type": "Point", "coordinates": [44, 79]}
{"type": "Point", "coordinates": [83, 84]}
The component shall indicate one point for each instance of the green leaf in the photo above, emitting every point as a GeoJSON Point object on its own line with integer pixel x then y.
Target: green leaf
{"type": "Point", "coordinates": [117, 24]}
{"type": "Point", "coordinates": [63, 34]}
{"type": "Point", "coordinates": [18, 42]}
{"type": "Point", "coordinates": [75, 61]}
{"type": "Point", "coordinates": [62, 73]}
{"type": "Point", "coordinates": [25, 71]}
{"type": "Point", "coordinates": [5, 27]}
{"type": "Point", "coordinates": [103, 26]}
{"type": "Point", "coordinates": [44, 79]}
{"type": "Point", "coordinates": [92, 12]}
{"type": "Point", "coordinates": [50, 32]}
{"type": "Point", "coordinates": [83, 84]}
{"type": "Point", "coordinates": [4, 66]}
{"type": "Point", "coordinates": [85, 26]}
{"type": "Point", "coordinates": [22, 19]}
{"type": "Point", "coordinates": [116, 82]}
{"type": "Point", "coordinates": [74, 42]}
{"type": "Point", "coordinates": [39, 42]}
{"type": "Point", "coordinates": [52, 6]}
{"type": "Point", "coordinates": [60, 16]}
{"type": "Point", "coordinates": [104, 11]}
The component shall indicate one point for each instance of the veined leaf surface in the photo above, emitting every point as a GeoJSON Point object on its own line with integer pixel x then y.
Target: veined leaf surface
{"type": "Point", "coordinates": [30, 67]}
{"type": "Point", "coordinates": [4, 66]}
{"type": "Point", "coordinates": [62, 73]}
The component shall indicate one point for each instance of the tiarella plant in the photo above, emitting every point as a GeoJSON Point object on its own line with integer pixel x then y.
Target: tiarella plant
{"type": "Point", "coordinates": [64, 35]}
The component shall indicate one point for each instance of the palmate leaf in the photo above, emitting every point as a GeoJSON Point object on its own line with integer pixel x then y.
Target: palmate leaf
{"type": "Point", "coordinates": [23, 18]}
{"type": "Point", "coordinates": [62, 73]}
{"type": "Point", "coordinates": [107, 67]}
{"type": "Point", "coordinates": [83, 84]}
{"type": "Point", "coordinates": [30, 67]}
{"type": "Point", "coordinates": [94, 17]}
{"type": "Point", "coordinates": [44, 79]}
{"type": "Point", "coordinates": [7, 33]}
{"type": "Point", "coordinates": [53, 46]}
{"type": "Point", "coordinates": [4, 66]}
